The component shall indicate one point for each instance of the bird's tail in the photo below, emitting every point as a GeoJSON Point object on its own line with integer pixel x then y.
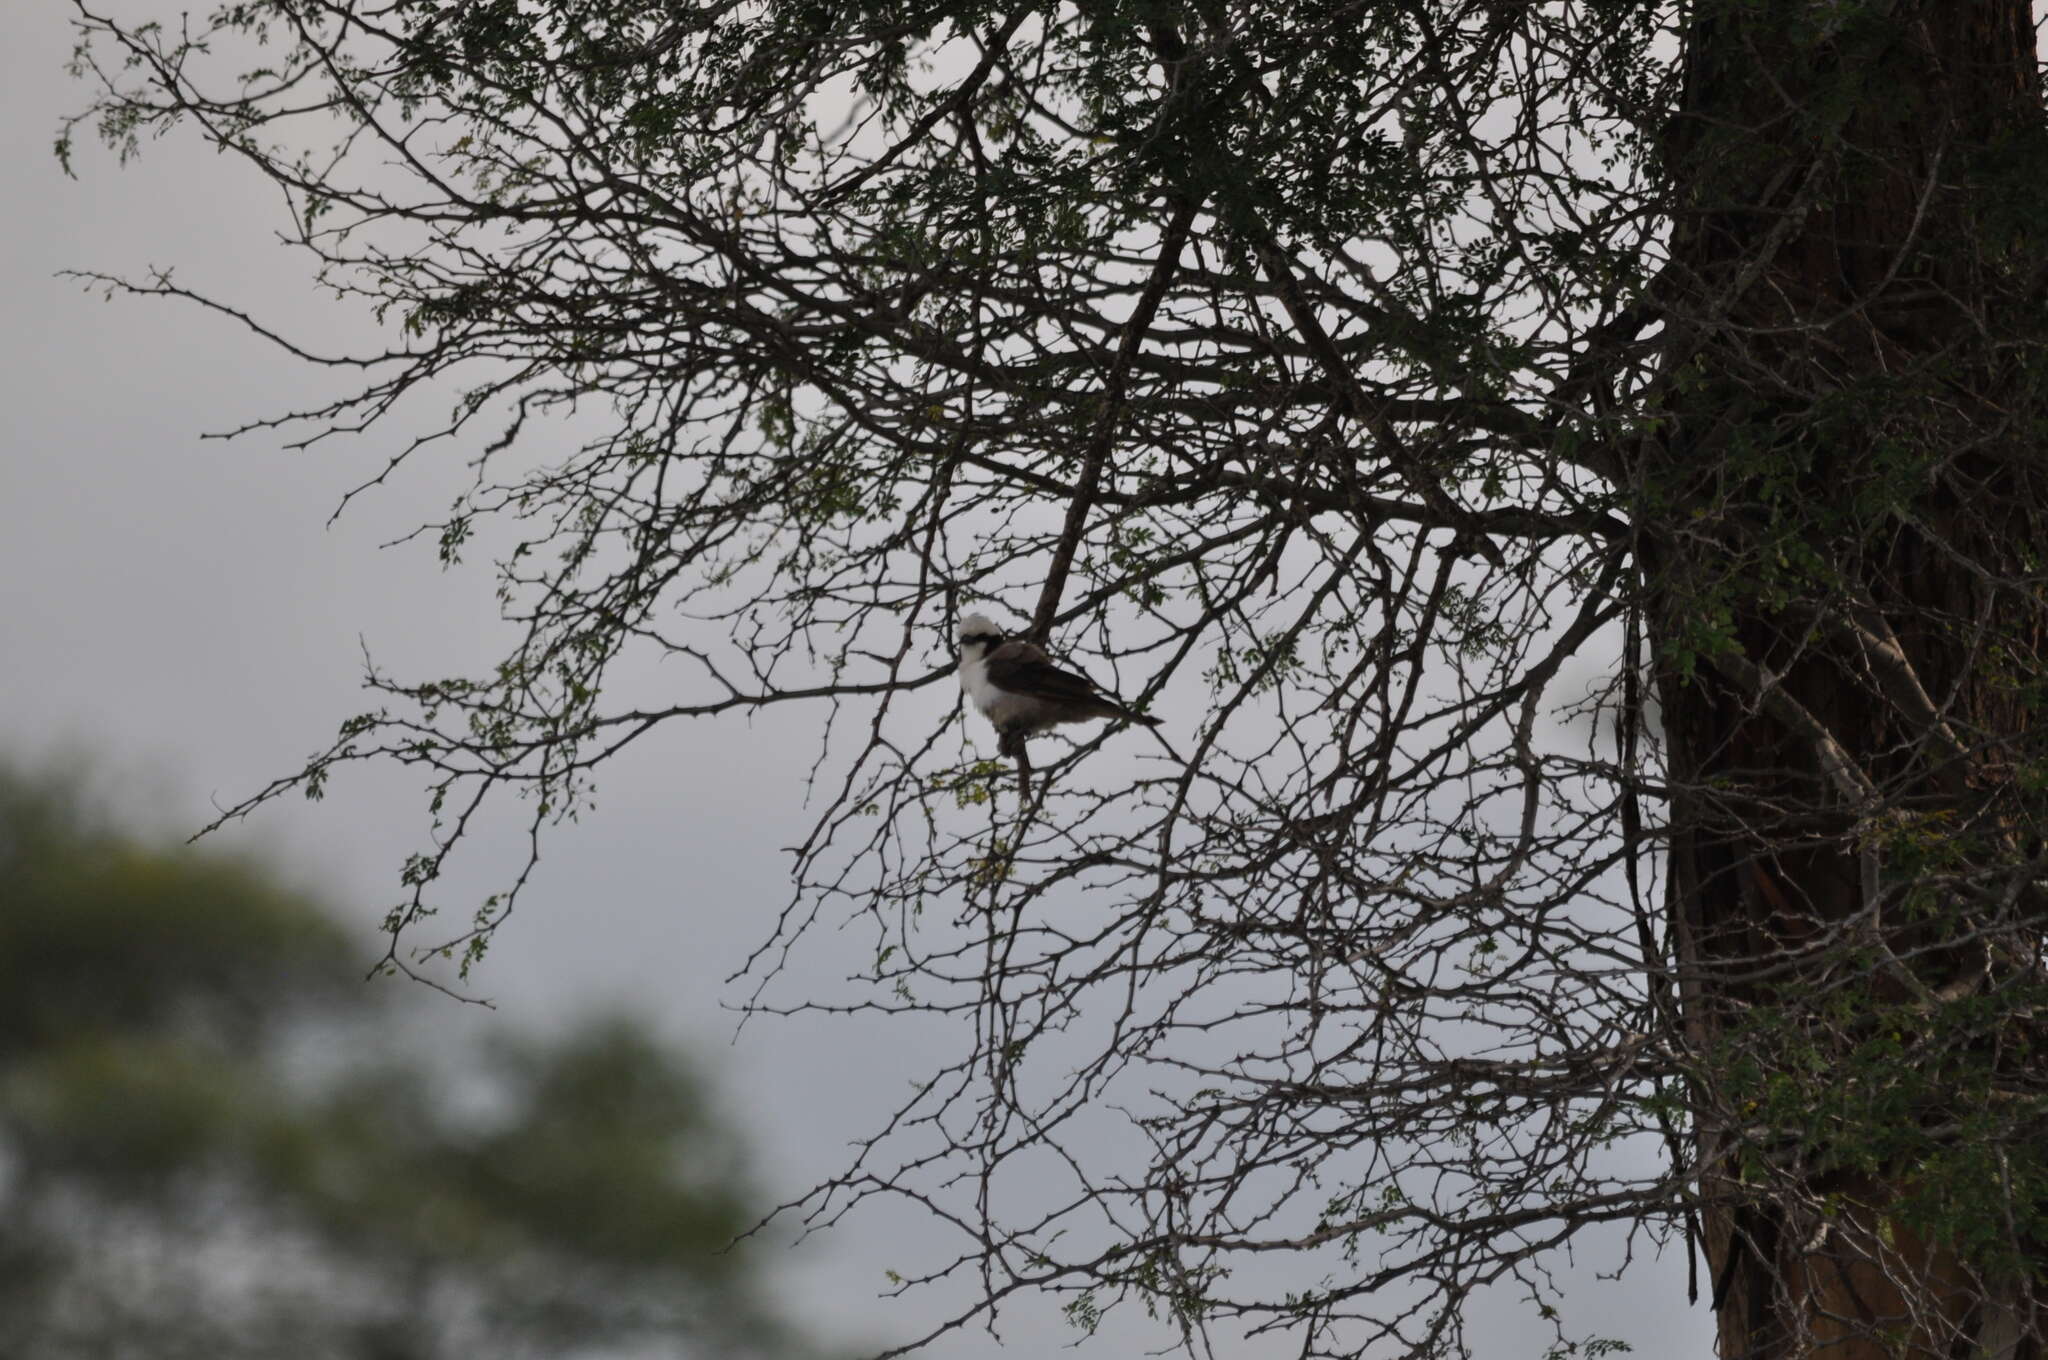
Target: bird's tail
{"type": "Point", "coordinates": [1112, 709]}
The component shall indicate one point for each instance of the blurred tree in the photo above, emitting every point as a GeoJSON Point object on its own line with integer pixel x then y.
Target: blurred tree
{"type": "Point", "coordinates": [203, 1151]}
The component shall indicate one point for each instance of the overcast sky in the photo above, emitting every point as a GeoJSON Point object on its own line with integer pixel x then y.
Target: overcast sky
{"type": "Point", "coordinates": [180, 610]}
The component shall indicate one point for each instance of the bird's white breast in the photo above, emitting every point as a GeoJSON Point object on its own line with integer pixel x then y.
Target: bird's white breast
{"type": "Point", "coordinates": [999, 706]}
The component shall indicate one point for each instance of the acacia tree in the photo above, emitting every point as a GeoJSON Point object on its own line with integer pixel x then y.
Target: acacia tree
{"type": "Point", "coordinates": [1566, 473]}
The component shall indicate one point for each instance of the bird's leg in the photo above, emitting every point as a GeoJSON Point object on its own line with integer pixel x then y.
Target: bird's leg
{"type": "Point", "coordinates": [1010, 742]}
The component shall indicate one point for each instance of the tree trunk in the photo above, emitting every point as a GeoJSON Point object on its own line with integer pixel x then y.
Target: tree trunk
{"type": "Point", "coordinates": [1844, 522]}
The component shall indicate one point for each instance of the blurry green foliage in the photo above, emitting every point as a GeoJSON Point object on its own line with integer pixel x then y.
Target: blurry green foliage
{"type": "Point", "coordinates": [211, 1146]}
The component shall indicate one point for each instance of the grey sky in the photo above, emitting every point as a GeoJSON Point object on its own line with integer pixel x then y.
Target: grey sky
{"type": "Point", "coordinates": [181, 610]}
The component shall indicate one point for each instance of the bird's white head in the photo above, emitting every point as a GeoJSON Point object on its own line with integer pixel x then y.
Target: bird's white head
{"type": "Point", "coordinates": [978, 636]}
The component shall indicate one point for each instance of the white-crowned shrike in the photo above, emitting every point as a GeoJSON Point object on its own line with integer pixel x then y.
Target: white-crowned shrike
{"type": "Point", "coordinates": [1016, 687]}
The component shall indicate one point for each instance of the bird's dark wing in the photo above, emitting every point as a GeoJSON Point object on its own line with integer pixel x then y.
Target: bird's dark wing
{"type": "Point", "coordinates": [1022, 668]}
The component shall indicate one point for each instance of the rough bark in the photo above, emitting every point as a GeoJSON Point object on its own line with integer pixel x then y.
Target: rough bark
{"type": "Point", "coordinates": [1848, 507]}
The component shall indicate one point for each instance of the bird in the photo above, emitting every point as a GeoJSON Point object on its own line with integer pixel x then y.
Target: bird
{"type": "Point", "coordinates": [1016, 687]}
